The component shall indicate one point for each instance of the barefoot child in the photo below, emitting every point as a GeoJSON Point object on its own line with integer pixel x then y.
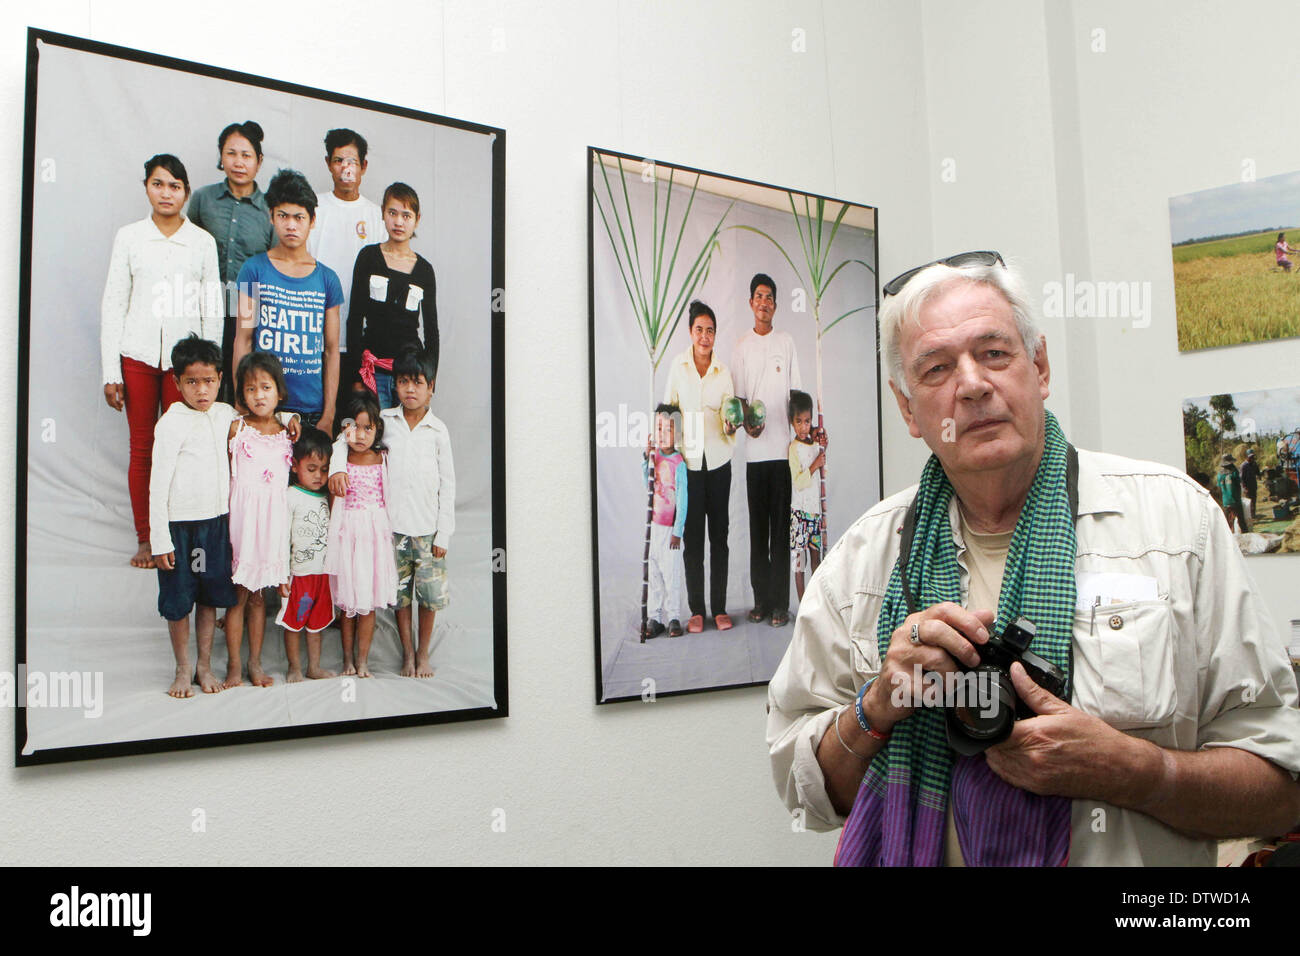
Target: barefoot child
{"type": "Point", "coordinates": [668, 525]}
{"type": "Point", "coordinates": [806, 457]}
{"type": "Point", "coordinates": [307, 604]}
{"type": "Point", "coordinates": [261, 451]}
{"type": "Point", "coordinates": [188, 494]}
{"type": "Point", "coordinates": [421, 504]}
{"type": "Point", "coordinates": [359, 552]}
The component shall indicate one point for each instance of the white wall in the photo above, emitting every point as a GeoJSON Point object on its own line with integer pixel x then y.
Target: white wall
{"type": "Point", "coordinates": [1182, 95]}
{"type": "Point", "coordinates": [682, 780]}
{"type": "Point", "coordinates": [1063, 160]}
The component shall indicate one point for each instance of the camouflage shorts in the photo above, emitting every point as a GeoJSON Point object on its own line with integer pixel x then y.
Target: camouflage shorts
{"type": "Point", "coordinates": [420, 576]}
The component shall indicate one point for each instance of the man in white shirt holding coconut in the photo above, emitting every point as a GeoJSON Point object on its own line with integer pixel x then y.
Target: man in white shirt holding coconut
{"type": "Point", "coordinates": [764, 370]}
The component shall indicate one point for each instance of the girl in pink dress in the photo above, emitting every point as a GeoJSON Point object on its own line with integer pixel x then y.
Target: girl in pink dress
{"type": "Point", "coordinates": [261, 454]}
{"type": "Point", "coordinates": [359, 556]}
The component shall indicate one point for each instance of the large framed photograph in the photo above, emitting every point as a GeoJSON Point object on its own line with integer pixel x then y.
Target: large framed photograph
{"type": "Point", "coordinates": [261, 425]}
{"type": "Point", "coordinates": [735, 413]}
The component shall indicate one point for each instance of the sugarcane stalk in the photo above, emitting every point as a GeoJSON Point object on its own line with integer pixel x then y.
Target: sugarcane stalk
{"type": "Point", "coordinates": [649, 519]}
{"type": "Point", "coordinates": [821, 427]}
{"type": "Point", "coordinates": [650, 291]}
{"type": "Point", "coordinates": [645, 555]}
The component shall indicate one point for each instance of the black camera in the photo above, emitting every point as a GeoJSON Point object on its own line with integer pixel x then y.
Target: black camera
{"type": "Point", "coordinates": [976, 724]}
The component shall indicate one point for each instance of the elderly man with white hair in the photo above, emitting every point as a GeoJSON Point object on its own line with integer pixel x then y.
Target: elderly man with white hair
{"type": "Point", "coordinates": [1176, 721]}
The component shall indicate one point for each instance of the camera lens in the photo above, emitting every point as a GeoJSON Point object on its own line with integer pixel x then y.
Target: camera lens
{"type": "Point", "coordinates": [981, 723]}
{"type": "Point", "coordinates": [987, 719]}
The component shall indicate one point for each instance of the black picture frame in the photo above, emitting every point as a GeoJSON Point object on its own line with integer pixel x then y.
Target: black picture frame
{"type": "Point", "coordinates": [493, 312]}
{"type": "Point", "coordinates": [597, 233]}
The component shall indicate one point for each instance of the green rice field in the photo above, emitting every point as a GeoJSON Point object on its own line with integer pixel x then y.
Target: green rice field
{"type": "Point", "coordinates": [1230, 291]}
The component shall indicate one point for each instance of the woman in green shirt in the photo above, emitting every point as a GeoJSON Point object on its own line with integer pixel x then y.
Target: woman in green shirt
{"type": "Point", "coordinates": [234, 211]}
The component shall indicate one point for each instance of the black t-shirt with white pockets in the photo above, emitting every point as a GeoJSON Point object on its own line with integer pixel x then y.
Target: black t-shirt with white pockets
{"type": "Point", "coordinates": [386, 306]}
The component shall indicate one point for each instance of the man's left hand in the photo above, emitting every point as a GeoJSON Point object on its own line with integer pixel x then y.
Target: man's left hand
{"type": "Point", "coordinates": [1063, 751]}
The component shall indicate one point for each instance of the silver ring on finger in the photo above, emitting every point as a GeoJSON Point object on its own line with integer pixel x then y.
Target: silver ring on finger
{"type": "Point", "coordinates": [916, 633]}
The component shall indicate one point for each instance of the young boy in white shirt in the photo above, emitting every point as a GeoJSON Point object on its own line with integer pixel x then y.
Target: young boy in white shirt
{"type": "Point", "coordinates": [421, 501]}
{"type": "Point", "coordinates": [189, 506]}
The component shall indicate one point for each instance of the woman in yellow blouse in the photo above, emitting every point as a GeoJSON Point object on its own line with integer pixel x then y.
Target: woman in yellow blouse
{"type": "Point", "coordinates": [701, 387]}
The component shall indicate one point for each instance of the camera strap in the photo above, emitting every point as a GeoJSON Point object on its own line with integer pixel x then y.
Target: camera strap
{"type": "Point", "coordinates": [909, 531]}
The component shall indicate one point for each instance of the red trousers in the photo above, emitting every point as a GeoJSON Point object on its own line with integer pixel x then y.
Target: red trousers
{"type": "Point", "coordinates": [145, 387]}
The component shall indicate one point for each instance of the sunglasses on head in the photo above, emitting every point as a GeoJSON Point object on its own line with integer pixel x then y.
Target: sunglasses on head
{"type": "Point", "coordinates": [982, 258]}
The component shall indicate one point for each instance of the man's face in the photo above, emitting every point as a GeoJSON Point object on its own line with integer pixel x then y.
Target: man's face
{"type": "Point", "coordinates": [346, 166]}
{"type": "Point", "coordinates": [763, 304]}
{"type": "Point", "coordinates": [977, 398]}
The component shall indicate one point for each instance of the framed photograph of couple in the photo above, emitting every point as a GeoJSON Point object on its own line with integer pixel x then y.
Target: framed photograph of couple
{"type": "Point", "coordinates": [260, 469]}
{"type": "Point", "coordinates": [735, 415]}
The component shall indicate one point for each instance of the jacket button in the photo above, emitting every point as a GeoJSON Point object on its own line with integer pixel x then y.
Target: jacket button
{"type": "Point", "coordinates": [1116, 622]}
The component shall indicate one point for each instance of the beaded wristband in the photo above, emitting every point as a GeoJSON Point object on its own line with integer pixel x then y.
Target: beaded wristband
{"type": "Point", "coordinates": [862, 717]}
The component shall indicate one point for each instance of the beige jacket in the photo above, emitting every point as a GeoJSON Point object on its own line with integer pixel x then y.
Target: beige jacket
{"type": "Point", "coordinates": [1199, 665]}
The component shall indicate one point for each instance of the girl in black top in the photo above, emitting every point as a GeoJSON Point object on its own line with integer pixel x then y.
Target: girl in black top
{"type": "Point", "coordinates": [393, 288]}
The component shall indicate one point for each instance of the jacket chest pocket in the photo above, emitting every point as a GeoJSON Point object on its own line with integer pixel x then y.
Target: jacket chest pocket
{"type": "Point", "coordinates": [864, 648]}
{"type": "Point", "coordinates": [1124, 664]}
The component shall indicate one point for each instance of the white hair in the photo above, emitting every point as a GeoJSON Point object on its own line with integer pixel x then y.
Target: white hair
{"type": "Point", "coordinates": [929, 283]}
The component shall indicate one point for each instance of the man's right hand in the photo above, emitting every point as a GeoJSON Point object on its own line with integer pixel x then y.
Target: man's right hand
{"type": "Point", "coordinates": [165, 562]}
{"type": "Point", "coordinates": [113, 394]}
{"type": "Point", "coordinates": [753, 431]}
{"type": "Point", "coordinates": [948, 634]}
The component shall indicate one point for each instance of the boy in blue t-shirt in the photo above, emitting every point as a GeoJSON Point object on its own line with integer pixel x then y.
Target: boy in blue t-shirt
{"type": "Point", "coordinates": [289, 305]}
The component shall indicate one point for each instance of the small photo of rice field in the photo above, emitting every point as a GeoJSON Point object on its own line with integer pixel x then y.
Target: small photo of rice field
{"type": "Point", "coordinates": [1244, 447]}
{"type": "Point", "coordinates": [1236, 253]}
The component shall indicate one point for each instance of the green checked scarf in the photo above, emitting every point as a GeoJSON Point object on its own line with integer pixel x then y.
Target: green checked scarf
{"type": "Point", "coordinates": [898, 817]}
